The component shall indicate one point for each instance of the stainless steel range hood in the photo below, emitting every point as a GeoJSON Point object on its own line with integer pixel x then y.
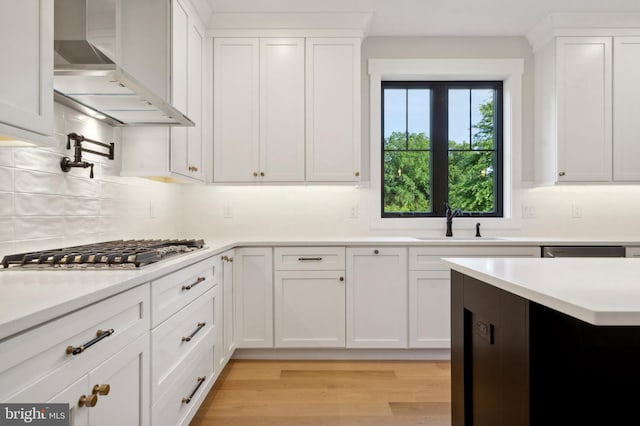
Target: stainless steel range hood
{"type": "Point", "coordinates": [88, 78]}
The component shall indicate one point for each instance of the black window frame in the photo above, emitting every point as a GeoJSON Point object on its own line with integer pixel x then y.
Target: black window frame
{"type": "Point", "coordinates": [440, 145]}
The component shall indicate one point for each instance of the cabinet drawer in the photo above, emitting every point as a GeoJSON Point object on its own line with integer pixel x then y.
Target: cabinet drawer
{"type": "Point", "coordinates": [189, 331]}
{"type": "Point", "coordinates": [429, 258]}
{"type": "Point", "coordinates": [172, 408]}
{"type": "Point", "coordinates": [309, 258]}
{"type": "Point", "coordinates": [27, 358]}
{"type": "Point", "coordinates": [173, 292]}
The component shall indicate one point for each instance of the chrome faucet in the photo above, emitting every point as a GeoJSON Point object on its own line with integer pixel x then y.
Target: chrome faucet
{"type": "Point", "coordinates": [450, 214]}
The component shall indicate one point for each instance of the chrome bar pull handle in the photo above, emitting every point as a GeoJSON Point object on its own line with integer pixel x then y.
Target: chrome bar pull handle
{"type": "Point", "coordinates": [190, 286]}
{"type": "Point", "coordinates": [189, 337]}
{"type": "Point", "coordinates": [71, 350]}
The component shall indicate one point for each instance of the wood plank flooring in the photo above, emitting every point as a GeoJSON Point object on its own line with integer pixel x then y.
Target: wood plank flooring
{"type": "Point", "coordinates": [329, 393]}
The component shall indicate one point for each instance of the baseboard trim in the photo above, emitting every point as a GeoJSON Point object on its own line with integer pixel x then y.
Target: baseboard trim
{"type": "Point", "coordinates": [344, 354]}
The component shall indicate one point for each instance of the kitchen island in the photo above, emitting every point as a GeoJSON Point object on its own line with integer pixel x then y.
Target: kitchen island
{"type": "Point", "coordinates": [545, 341]}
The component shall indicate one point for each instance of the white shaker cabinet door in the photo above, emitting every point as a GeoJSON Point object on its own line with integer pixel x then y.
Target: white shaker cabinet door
{"type": "Point", "coordinates": [236, 116]}
{"type": "Point", "coordinates": [626, 109]}
{"type": "Point", "coordinates": [429, 309]}
{"type": "Point", "coordinates": [187, 87]}
{"type": "Point", "coordinates": [376, 297]}
{"type": "Point", "coordinates": [333, 109]}
{"type": "Point", "coordinates": [229, 339]}
{"type": "Point", "coordinates": [584, 120]}
{"type": "Point", "coordinates": [309, 309]}
{"type": "Point", "coordinates": [282, 110]}
{"type": "Point", "coordinates": [253, 281]}
{"type": "Point", "coordinates": [26, 74]}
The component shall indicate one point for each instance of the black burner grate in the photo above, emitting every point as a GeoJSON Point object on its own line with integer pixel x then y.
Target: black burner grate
{"type": "Point", "coordinates": [124, 253]}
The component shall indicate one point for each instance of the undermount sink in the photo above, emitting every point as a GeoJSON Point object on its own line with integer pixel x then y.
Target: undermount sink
{"type": "Point", "coordinates": [459, 238]}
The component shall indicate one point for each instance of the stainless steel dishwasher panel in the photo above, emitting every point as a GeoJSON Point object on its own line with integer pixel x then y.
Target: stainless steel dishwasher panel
{"type": "Point", "coordinates": [583, 251]}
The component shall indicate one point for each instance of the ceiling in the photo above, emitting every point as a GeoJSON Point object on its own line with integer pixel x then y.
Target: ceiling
{"type": "Point", "coordinates": [434, 17]}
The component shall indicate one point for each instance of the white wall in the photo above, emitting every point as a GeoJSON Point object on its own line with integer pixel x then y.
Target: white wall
{"type": "Point", "coordinates": [42, 207]}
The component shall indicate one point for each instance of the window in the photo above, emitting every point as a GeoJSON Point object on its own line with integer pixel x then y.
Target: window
{"type": "Point", "coordinates": [441, 143]}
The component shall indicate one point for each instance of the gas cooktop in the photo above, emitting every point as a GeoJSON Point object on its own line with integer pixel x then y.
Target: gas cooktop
{"type": "Point", "coordinates": [109, 254]}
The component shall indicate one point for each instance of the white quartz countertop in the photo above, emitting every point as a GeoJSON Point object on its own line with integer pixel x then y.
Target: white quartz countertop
{"type": "Point", "coordinates": [29, 298]}
{"type": "Point", "coordinates": [32, 297]}
{"type": "Point", "coordinates": [599, 291]}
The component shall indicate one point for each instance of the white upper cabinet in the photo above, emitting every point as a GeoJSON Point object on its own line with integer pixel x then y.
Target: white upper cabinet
{"type": "Point", "coordinates": [177, 70]}
{"type": "Point", "coordinates": [188, 53]}
{"type": "Point", "coordinates": [236, 81]}
{"type": "Point", "coordinates": [282, 109]}
{"type": "Point", "coordinates": [626, 107]}
{"type": "Point", "coordinates": [584, 87]}
{"type": "Point", "coordinates": [333, 109]}
{"type": "Point", "coordinates": [26, 74]}
{"type": "Point", "coordinates": [258, 110]}
{"type": "Point", "coordinates": [286, 109]}
{"type": "Point", "coordinates": [586, 108]}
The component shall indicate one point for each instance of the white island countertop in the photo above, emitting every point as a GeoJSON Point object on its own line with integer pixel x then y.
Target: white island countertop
{"type": "Point", "coordinates": [599, 291]}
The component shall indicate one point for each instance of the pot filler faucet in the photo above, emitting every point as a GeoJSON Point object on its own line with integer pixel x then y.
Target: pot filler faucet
{"type": "Point", "coordinates": [450, 214]}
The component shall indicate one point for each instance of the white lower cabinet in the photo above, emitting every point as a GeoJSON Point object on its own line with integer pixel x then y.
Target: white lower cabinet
{"type": "Point", "coordinates": [121, 385]}
{"type": "Point", "coordinates": [229, 339]}
{"type": "Point", "coordinates": [309, 309]}
{"type": "Point", "coordinates": [104, 383]}
{"type": "Point", "coordinates": [429, 289]}
{"type": "Point", "coordinates": [429, 309]}
{"type": "Point", "coordinates": [187, 345]}
{"type": "Point", "coordinates": [376, 297]}
{"type": "Point", "coordinates": [178, 405]}
{"type": "Point", "coordinates": [253, 280]}
{"type": "Point", "coordinates": [309, 297]}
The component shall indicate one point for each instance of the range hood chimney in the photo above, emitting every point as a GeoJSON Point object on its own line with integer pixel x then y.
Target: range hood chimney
{"type": "Point", "coordinates": [87, 76]}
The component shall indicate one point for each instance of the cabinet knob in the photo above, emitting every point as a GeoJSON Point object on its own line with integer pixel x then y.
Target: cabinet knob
{"type": "Point", "coordinates": [357, 174]}
{"type": "Point", "coordinates": [88, 401]}
{"type": "Point", "coordinates": [341, 278]}
{"type": "Point", "coordinates": [255, 174]}
{"type": "Point", "coordinates": [376, 251]}
{"type": "Point", "coordinates": [101, 389]}
{"type": "Point", "coordinates": [561, 174]}
{"type": "Point", "coordinates": [261, 173]}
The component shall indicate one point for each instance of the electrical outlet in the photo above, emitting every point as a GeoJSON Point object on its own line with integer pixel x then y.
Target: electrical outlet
{"type": "Point", "coordinates": [353, 212]}
{"type": "Point", "coordinates": [528, 212]}
{"type": "Point", "coordinates": [227, 212]}
{"type": "Point", "coordinates": [576, 211]}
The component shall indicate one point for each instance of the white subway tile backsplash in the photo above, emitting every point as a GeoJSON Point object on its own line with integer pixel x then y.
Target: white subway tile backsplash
{"type": "Point", "coordinates": [78, 187]}
{"type": "Point", "coordinates": [31, 228]}
{"type": "Point", "coordinates": [6, 179]}
{"type": "Point", "coordinates": [39, 205]}
{"type": "Point", "coordinates": [82, 225]}
{"type": "Point", "coordinates": [6, 156]}
{"type": "Point", "coordinates": [80, 206]}
{"type": "Point", "coordinates": [37, 182]}
{"type": "Point", "coordinates": [6, 229]}
{"type": "Point", "coordinates": [6, 204]}
{"type": "Point", "coordinates": [111, 207]}
{"type": "Point", "coordinates": [37, 159]}
{"type": "Point", "coordinates": [112, 190]}
{"type": "Point", "coordinates": [42, 207]}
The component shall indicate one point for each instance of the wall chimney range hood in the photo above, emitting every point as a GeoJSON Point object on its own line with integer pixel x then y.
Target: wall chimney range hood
{"type": "Point", "coordinates": [87, 76]}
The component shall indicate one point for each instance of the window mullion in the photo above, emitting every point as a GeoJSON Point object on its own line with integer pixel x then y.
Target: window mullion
{"type": "Point", "coordinates": [440, 149]}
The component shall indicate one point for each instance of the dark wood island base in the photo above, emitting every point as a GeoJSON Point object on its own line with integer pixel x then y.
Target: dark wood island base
{"type": "Point", "coordinates": [515, 362]}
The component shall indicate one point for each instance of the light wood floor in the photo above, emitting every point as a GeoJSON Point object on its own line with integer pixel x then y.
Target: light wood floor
{"type": "Point", "coordinates": [329, 393]}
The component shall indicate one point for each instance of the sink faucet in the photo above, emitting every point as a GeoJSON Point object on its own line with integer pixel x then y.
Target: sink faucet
{"type": "Point", "coordinates": [450, 214]}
